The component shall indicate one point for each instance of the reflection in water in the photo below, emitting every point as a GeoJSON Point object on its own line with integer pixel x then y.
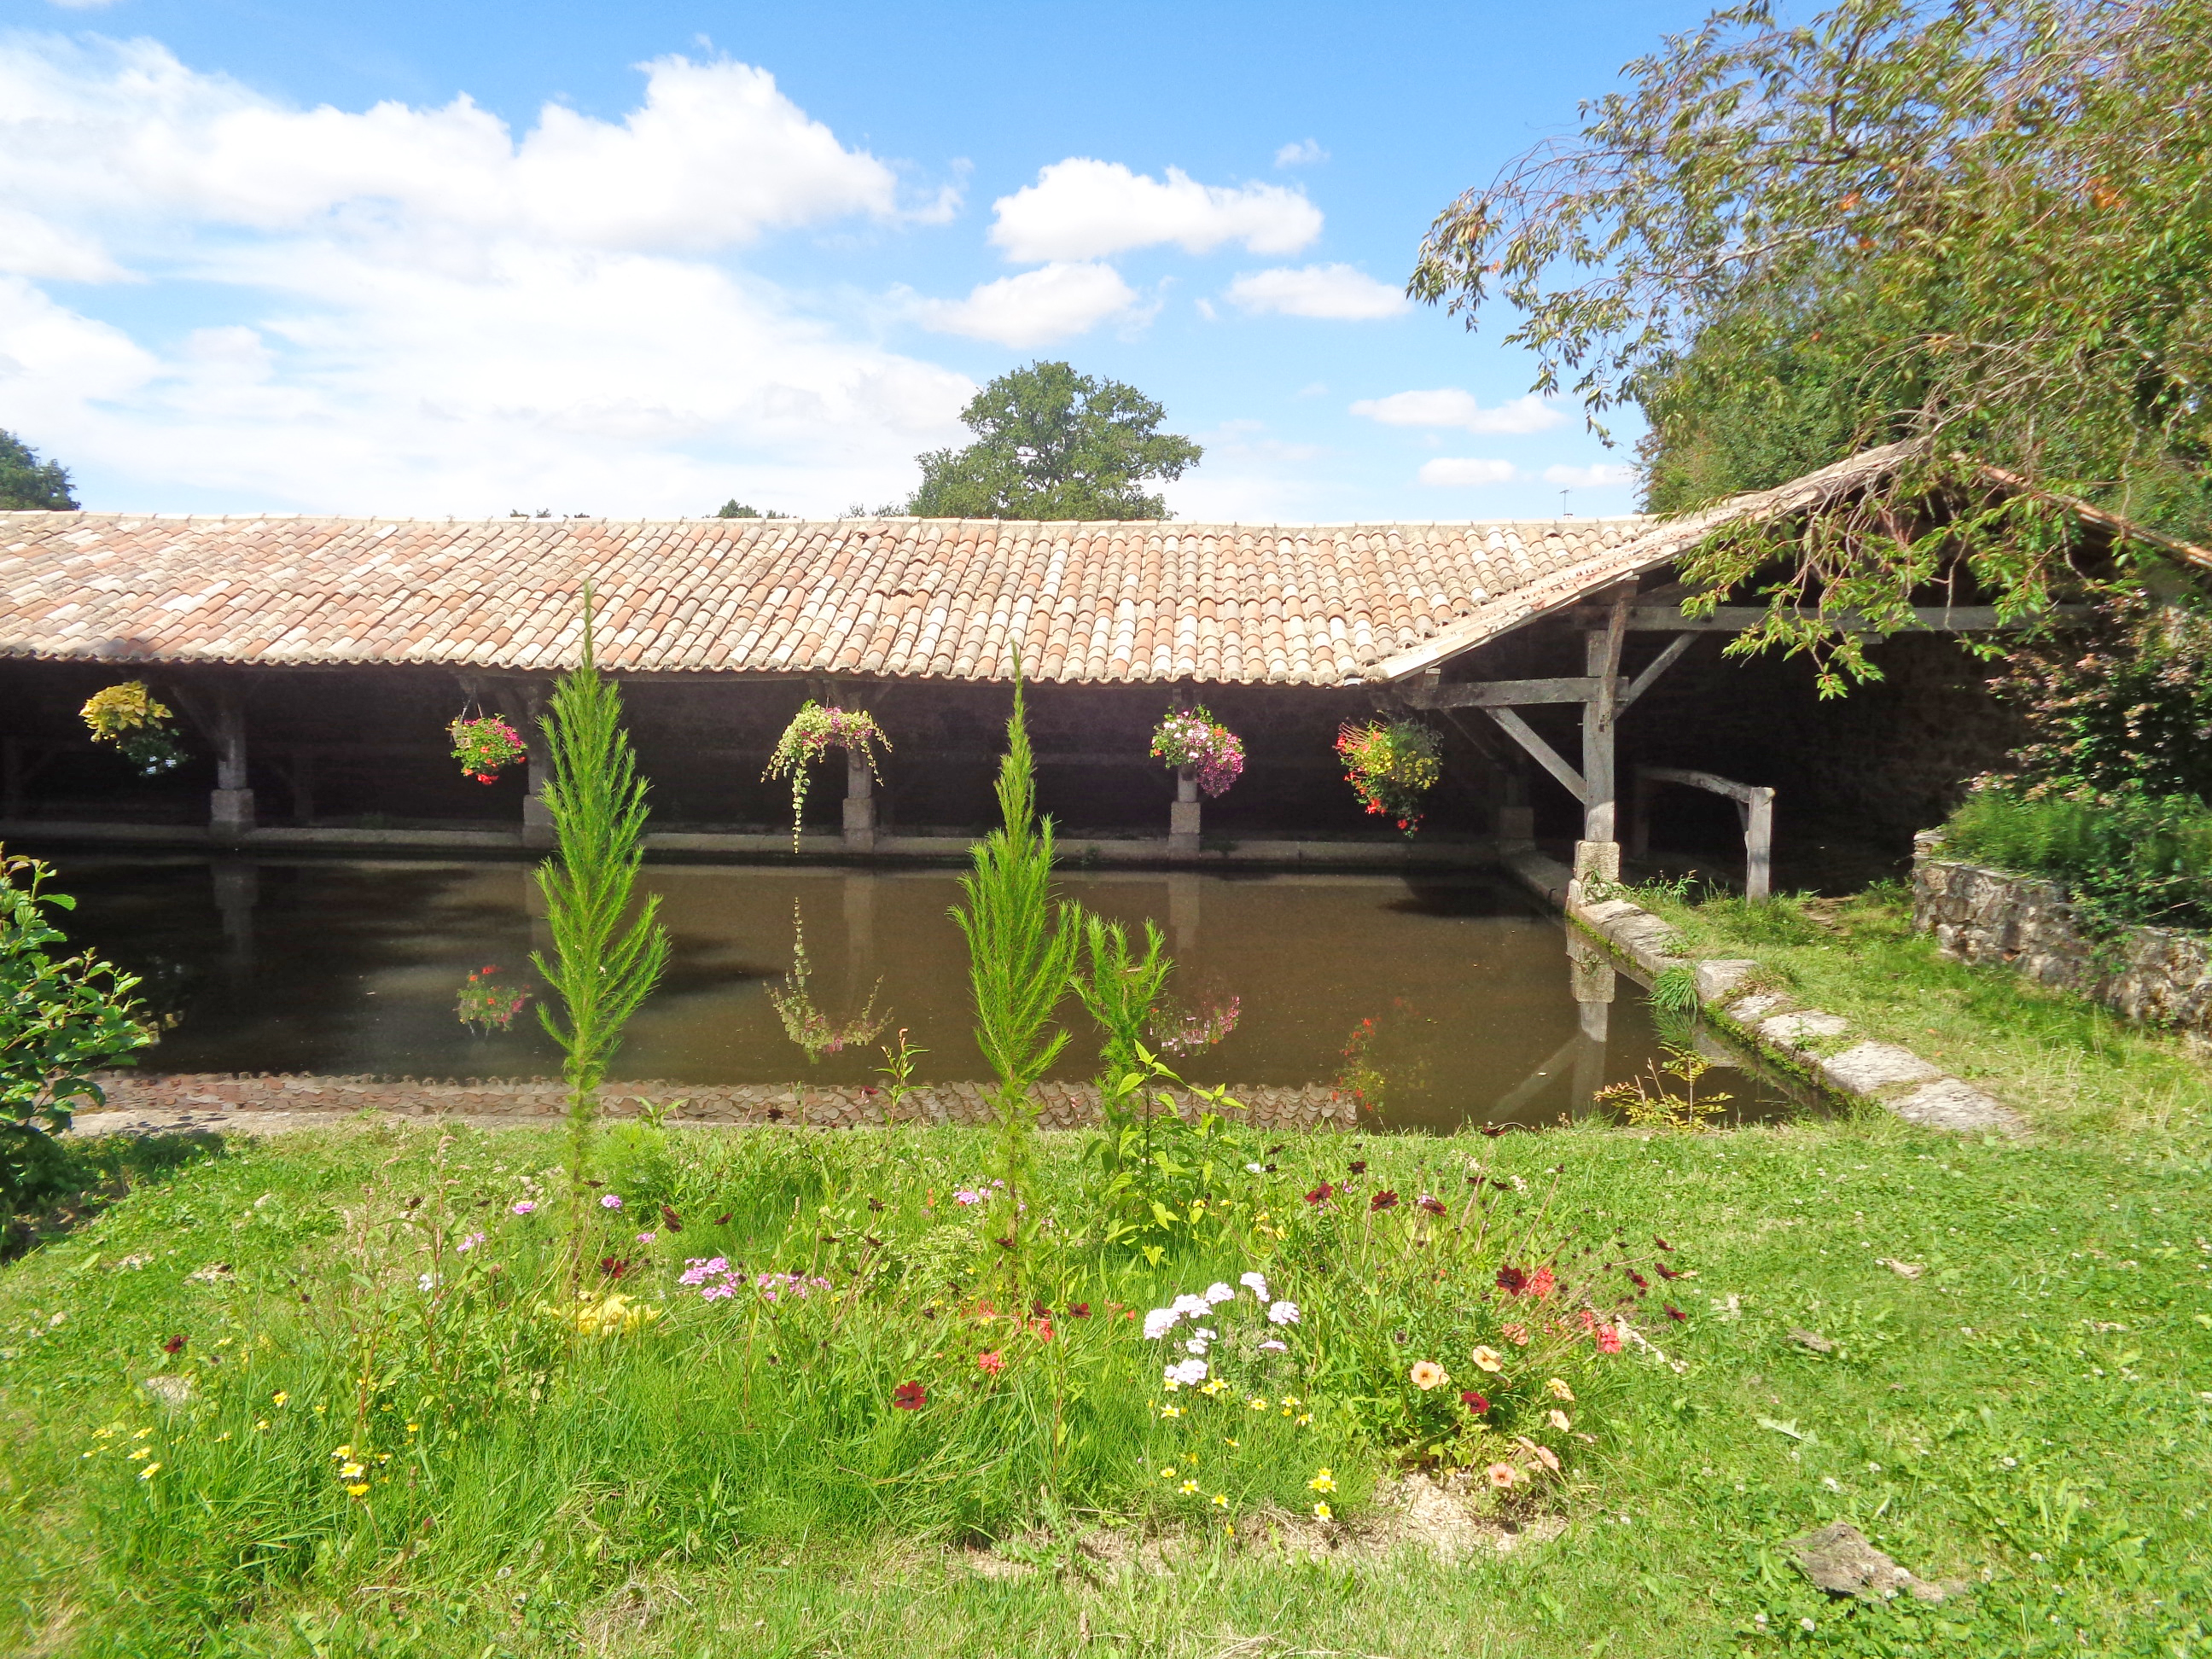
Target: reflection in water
{"type": "Point", "coordinates": [1453, 985]}
{"type": "Point", "coordinates": [485, 1003]}
{"type": "Point", "coordinates": [1189, 1027]}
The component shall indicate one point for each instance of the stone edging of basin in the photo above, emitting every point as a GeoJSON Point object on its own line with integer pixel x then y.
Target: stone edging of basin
{"type": "Point", "coordinates": [1803, 1041]}
{"type": "Point", "coordinates": [1061, 1105]}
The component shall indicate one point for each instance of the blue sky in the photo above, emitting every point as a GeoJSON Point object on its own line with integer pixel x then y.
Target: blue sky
{"type": "Point", "coordinates": [630, 260]}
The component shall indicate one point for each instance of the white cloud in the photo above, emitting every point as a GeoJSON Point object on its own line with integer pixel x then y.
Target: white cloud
{"type": "Point", "coordinates": [404, 310]}
{"type": "Point", "coordinates": [1466, 472]}
{"type": "Point", "coordinates": [1036, 307]}
{"type": "Point", "coordinates": [1080, 209]}
{"type": "Point", "coordinates": [1450, 406]}
{"type": "Point", "coordinates": [1340, 293]}
{"type": "Point", "coordinates": [1602, 476]}
{"type": "Point", "coordinates": [1304, 154]}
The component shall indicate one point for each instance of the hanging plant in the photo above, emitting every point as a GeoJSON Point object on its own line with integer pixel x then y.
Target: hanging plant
{"type": "Point", "coordinates": [127, 717]}
{"type": "Point", "coordinates": [1391, 765]}
{"type": "Point", "coordinates": [1192, 738]}
{"type": "Point", "coordinates": [483, 744]}
{"type": "Point", "coordinates": [485, 1004]}
{"type": "Point", "coordinates": [814, 730]}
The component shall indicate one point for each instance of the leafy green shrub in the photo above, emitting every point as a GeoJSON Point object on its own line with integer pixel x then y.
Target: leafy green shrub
{"type": "Point", "coordinates": [2124, 858]}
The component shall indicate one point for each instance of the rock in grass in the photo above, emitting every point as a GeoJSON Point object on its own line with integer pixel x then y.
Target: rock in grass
{"type": "Point", "coordinates": [1811, 1341]}
{"type": "Point", "coordinates": [171, 1391]}
{"type": "Point", "coordinates": [1840, 1559]}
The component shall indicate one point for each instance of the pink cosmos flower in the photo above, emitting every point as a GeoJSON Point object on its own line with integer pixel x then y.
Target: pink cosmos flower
{"type": "Point", "coordinates": [993, 1361]}
{"type": "Point", "coordinates": [612, 1201]}
{"type": "Point", "coordinates": [524, 1208]}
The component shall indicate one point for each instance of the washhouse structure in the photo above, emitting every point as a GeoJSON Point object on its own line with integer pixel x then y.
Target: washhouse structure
{"type": "Point", "coordinates": [315, 665]}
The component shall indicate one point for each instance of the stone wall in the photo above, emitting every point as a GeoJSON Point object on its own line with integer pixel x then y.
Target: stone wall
{"type": "Point", "coordinates": [2159, 975]}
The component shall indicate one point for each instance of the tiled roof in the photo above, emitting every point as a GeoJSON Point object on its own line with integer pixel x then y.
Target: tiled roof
{"type": "Point", "coordinates": [925, 598]}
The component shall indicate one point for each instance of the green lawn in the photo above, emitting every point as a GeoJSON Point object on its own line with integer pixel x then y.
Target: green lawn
{"type": "Point", "coordinates": [2032, 1414]}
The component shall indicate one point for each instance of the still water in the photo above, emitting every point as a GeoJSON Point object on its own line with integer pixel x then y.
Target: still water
{"type": "Point", "coordinates": [1444, 1000]}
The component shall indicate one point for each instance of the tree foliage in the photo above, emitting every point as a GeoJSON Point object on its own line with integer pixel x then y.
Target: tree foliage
{"type": "Point", "coordinates": [1984, 227]}
{"type": "Point", "coordinates": [27, 484]}
{"type": "Point", "coordinates": [1053, 444]}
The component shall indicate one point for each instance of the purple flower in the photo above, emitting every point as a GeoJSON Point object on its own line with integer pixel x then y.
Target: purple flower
{"type": "Point", "coordinates": [967, 1195]}
{"type": "Point", "coordinates": [524, 1208]}
{"type": "Point", "coordinates": [612, 1201]}
{"type": "Point", "coordinates": [644, 1238]}
{"type": "Point", "coordinates": [1188, 1374]}
{"type": "Point", "coordinates": [470, 1243]}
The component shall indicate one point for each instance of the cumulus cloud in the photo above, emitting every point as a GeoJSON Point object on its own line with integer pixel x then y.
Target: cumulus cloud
{"type": "Point", "coordinates": [1035, 308]}
{"type": "Point", "coordinates": [1080, 209]}
{"type": "Point", "coordinates": [417, 311]}
{"type": "Point", "coordinates": [1466, 472]}
{"type": "Point", "coordinates": [1603, 475]}
{"type": "Point", "coordinates": [1450, 406]}
{"type": "Point", "coordinates": [1340, 293]}
{"type": "Point", "coordinates": [1304, 154]}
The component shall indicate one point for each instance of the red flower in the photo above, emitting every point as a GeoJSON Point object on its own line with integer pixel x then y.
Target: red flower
{"type": "Point", "coordinates": [1666, 1272]}
{"type": "Point", "coordinates": [910, 1396]}
{"type": "Point", "coordinates": [1660, 1243]}
{"type": "Point", "coordinates": [723, 1219]}
{"type": "Point", "coordinates": [1512, 1280]}
{"type": "Point", "coordinates": [1359, 1164]}
{"type": "Point", "coordinates": [1637, 1278]}
{"type": "Point", "coordinates": [174, 1345]}
{"type": "Point", "coordinates": [1038, 1310]}
{"type": "Point", "coordinates": [1079, 1310]}
{"type": "Point", "coordinates": [993, 1361]}
{"type": "Point", "coordinates": [614, 1266]}
{"type": "Point", "coordinates": [1474, 1402]}
{"type": "Point", "coordinates": [671, 1220]}
{"type": "Point", "coordinates": [1385, 1199]}
{"type": "Point", "coordinates": [1434, 1206]}
{"type": "Point", "coordinates": [1542, 1284]}
{"type": "Point", "coordinates": [1320, 1195]}
{"type": "Point", "coordinates": [1674, 1312]}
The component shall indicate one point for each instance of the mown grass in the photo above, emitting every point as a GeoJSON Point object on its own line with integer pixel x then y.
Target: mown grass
{"type": "Point", "coordinates": [2069, 1065]}
{"type": "Point", "coordinates": [2031, 1413]}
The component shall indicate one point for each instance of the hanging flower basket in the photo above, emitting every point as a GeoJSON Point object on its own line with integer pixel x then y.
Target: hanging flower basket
{"type": "Point", "coordinates": [483, 744]}
{"type": "Point", "coordinates": [1192, 738]}
{"type": "Point", "coordinates": [1391, 765]}
{"type": "Point", "coordinates": [486, 1005]}
{"type": "Point", "coordinates": [814, 730]}
{"type": "Point", "coordinates": [127, 717]}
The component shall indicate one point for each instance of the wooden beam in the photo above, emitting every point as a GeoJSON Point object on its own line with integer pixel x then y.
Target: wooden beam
{"type": "Point", "coordinates": [1601, 660]}
{"type": "Point", "coordinates": [1546, 757]}
{"type": "Point", "coordinates": [1734, 618]}
{"type": "Point", "coordinates": [1660, 665]}
{"type": "Point", "coordinates": [1505, 694]}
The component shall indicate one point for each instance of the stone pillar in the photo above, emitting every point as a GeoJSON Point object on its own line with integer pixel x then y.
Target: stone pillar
{"type": "Point", "coordinates": [1594, 982]}
{"type": "Point", "coordinates": [1516, 818]}
{"type": "Point", "coordinates": [537, 819]}
{"type": "Point", "coordinates": [1183, 816]}
{"type": "Point", "coordinates": [237, 890]}
{"type": "Point", "coordinates": [230, 808]}
{"type": "Point", "coordinates": [859, 931]}
{"type": "Point", "coordinates": [860, 803]}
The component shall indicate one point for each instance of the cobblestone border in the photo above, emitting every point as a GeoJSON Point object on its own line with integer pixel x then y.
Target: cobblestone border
{"type": "Point", "coordinates": [1808, 1042]}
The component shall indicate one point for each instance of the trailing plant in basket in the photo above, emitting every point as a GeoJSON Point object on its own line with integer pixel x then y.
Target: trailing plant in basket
{"type": "Point", "coordinates": [483, 744]}
{"type": "Point", "coordinates": [129, 717]}
{"type": "Point", "coordinates": [1391, 766]}
{"type": "Point", "coordinates": [814, 730]}
{"type": "Point", "coordinates": [1192, 738]}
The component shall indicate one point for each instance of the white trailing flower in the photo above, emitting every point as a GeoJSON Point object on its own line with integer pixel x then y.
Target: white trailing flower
{"type": "Point", "coordinates": [1159, 1322]}
{"type": "Point", "coordinates": [1217, 1294]}
{"type": "Point", "coordinates": [1197, 1345]}
{"type": "Point", "coordinates": [1283, 1313]}
{"type": "Point", "coordinates": [1255, 1283]}
{"type": "Point", "coordinates": [1187, 1374]}
{"type": "Point", "coordinates": [1197, 1306]}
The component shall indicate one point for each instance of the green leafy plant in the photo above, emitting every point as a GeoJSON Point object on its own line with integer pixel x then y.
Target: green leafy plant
{"type": "Point", "coordinates": [62, 1018]}
{"type": "Point", "coordinates": [605, 960]}
{"type": "Point", "coordinates": [129, 717]}
{"type": "Point", "coordinates": [897, 1073]}
{"type": "Point", "coordinates": [1021, 949]}
{"type": "Point", "coordinates": [483, 744]}
{"type": "Point", "coordinates": [1391, 766]}
{"type": "Point", "coordinates": [815, 1032]}
{"type": "Point", "coordinates": [814, 730]}
{"type": "Point", "coordinates": [2124, 858]}
{"type": "Point", "coordinates": [1192, 738]}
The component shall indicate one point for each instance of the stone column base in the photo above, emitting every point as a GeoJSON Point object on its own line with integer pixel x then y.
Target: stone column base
{"type": "Point", "coordinates": [230, 812]}
{"type": "Point", "coordinates": [536, 822]}
{"type": "Point", "coordinates": [860, 824]}
{"type": "Point", "coordinates": [1596, 862]}
{"type": "Point", "coordinates": [1517, 826]}
{"type": "Point", "coordinates": [1184, 829]}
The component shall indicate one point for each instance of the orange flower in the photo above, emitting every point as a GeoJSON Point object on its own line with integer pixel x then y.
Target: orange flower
{"type": "Point", "coordinates": [1502, 1476]}
{"type": "Point", "coordinates": [1426, 1374]}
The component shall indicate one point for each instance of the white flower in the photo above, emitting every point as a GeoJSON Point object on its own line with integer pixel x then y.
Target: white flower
{"type": "Point", "coordinates": [1196, 1344]}
{"type": "Point", "coordinates": [1255, 1169]}
{"type": "Point", "coordinates": [1283, 1313]}
{"type": "Point", "coordinates": [1159, 1322]}
{"type": "Point", "coordinates": [1273, 1346]}
{"type": "Point", "coordinates": [1188, 1373]}
{"type": "Point", "coordinates": [1191, 1304]}
{"type": "Point", "coordinates": [427, 1282]}
{"type": "Point", "coordinates": [1255, 1283]}
{"type": "Point", "coordinates": [1217, 1294]}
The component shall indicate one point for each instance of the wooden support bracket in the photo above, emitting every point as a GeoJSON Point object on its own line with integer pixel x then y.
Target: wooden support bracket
{"type": "Point", "coordinates": [1546, 757]}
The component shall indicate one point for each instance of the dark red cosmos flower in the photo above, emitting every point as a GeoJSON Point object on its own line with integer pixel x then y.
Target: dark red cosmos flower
{"type": "Point", "coordinates": [1660, 1243]}
{"type": "Point", "coordinates": [1674, 1312]}
{"type": "Point", "coordinates": [910, 1396]}
{"type": "Point", "coordinates": [174, 1345]}
{"type": "Point", "coordinates": [723, 1219]}
{"type": "Point", "coordinates": [1433, 1206]}
{"type": "Point", "coordinates": [876, 1206]}
{"type": "Point", "coordinates": [614, 1266]}
{"type": "Point", "coordinates": [1078, 1310]}
{"type": "Point", "coordinates": [1666, 1272]}
{"type": "Point", "coordinates": [671, 1220]}
{"type": "Point", "coordinates": [1320, 1195]}
{"type": "Point", "coordinates": [1385, 1199]}
{"type": "Point", "coordinates": [1038, 1310]}
{"type": "Point", "coordinates": [1512, 1280]}
{"type": "Point", "coordinates": [1474, 1402]}
{"type": "Point", "coordinates": [1358, 1166]}
{"type": "Point", "coordinates": [1637, 1278]}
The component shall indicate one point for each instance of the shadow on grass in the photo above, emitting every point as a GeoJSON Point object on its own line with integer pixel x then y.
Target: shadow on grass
{"type": "Point", "coordinates": [52, 1186]}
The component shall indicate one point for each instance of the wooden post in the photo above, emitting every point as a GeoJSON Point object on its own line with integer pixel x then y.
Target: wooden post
{"type": "Point", "coordinates": [1759, 846]}
{"type": "Point", "coordinates": [1639, 816]}
{"type": "Point", "coordinates": [1598, 855]}
{"type": "Point", "coordinates": [860, 803]}
{"type": "Point", "coordinates": [230, 808]}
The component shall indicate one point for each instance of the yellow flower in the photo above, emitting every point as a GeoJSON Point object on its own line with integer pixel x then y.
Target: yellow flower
{"type": "Point", "coordinates": [1323, 1482]}
{"type": "Point", "coordinates": [1321, 1511]}
{"type": "Point", "coordinates": [150, 1471]}
{"type": "Point", "coordinates": [1559, 1419]}
{"type": "Point", "coordinates": [224, 1436]}
{"type": "Point", "coordinates": [1221, 1500]}
{"type": "Point", "coordinates": [1168, 1473]}
{"type": "Point", "coordinates": [1560, 1391]}
{"type": "Point", "coordinates": [142, 1434]}
{"type": "Point", "coordinates": [1171, 1385]}
{"type": "Point", "coordinates": [1303, 1418]}
{"type": "Point", "coordinates": [1187, 1487]}
{"type": "Point", "coordinates": [1230, 1440]}
{"type": "Point", "coordinates": [279, 1397]}
{"type": "Point", "coordinates": [1256, 1403]}
{"type": "Point", "coordinates": [142, 1452]}
{"type": "Point", "coordinates": [1216, 1386]}
{"type": "Point", "coordinates": [1170, 1411]}
{"type": "Point", "coordinates": [1426, 1374]}
{"type": "Point", "coordinates": [261, 1425]}
{"type": "Point", "coordinates": [411, 1427]}
{"type": "Point", "coordinates": [1489, 1358]}
{"type": "Point", "coordinates": [352, 1472]}
{"type": "Point", "coordinates": [343, 1451]}
{"type": "Point", "coordinates": [359, 1489]}
{"type": "Point", "coordinates": [1290, 1400]}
